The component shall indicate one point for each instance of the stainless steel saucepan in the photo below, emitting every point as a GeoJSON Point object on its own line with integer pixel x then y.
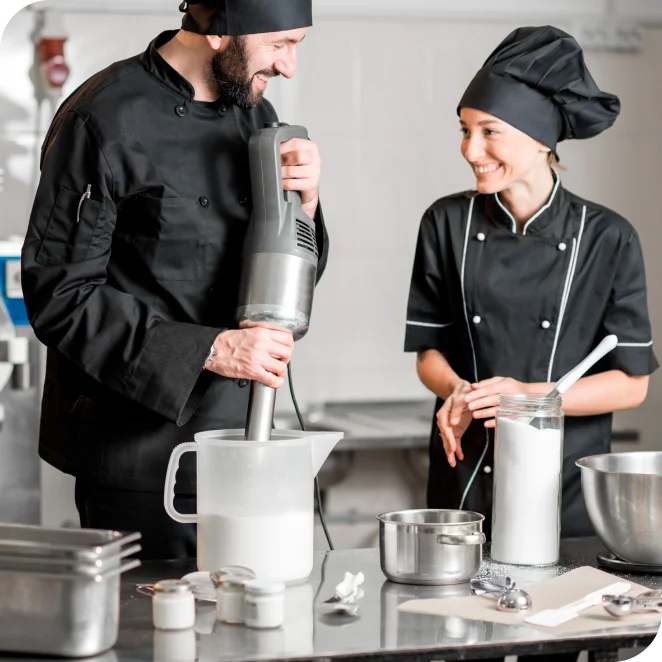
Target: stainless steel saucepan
{"type": "Point", "coordinates": [431, 547]}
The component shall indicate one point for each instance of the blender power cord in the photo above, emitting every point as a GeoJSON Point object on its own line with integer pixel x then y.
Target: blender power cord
{"type": "Point", "coordinates": [317, 485]}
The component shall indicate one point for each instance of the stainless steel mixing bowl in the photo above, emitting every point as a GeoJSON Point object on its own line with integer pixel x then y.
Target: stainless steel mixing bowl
{"type": "Point", "coordinates": [623, 496]}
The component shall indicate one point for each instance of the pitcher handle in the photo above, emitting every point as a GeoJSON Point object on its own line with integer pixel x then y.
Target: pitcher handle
{"type": "Point", "coordinates": [171, 474]}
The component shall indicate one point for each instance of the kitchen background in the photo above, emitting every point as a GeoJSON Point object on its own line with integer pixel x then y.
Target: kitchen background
{"type": "Point", "coordinates": [377, 88]}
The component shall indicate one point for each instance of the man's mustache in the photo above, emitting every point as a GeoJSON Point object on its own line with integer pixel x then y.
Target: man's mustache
{"type": "Point", "coordinates": [269, 73]}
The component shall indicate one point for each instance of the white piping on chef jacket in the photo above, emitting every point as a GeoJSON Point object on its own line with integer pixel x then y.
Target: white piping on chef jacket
{"type": "Point", "coordinates": [634, 344]}
{"type": "Point", "coordinates": [566, 290]}
{"type": "Point", "coordinates": [428, 324]}
{"type": "Point", "coordinates": [473, 351]}
{"type": "Point", "coordinates": [540, 211]}
{"type": "Point", "coordinates": [464, 299]}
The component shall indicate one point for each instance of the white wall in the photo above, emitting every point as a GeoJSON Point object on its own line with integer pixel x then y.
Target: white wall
{"type": "Point", "coordinates": [379, 97]}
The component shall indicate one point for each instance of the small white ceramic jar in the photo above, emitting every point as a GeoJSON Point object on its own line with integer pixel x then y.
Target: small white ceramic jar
{"type": "Point", "coordinates": [230, 598]}
{"type": "Point", "coordinates": [265, 604]}
{"type": "Point", "coordinates": [173, 605]}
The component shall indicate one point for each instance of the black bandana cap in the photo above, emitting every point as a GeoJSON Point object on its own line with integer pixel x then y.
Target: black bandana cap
{"type": "Point", "coordinates": [537, 81]}
{"type": "Point", "coordinates": [241, 17]}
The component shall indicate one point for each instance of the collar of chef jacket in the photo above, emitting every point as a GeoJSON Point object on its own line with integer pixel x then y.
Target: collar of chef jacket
{"type": "Point", "coordinates": [553, 211]}
{"type": "Point", "coordinates": [162, 72]}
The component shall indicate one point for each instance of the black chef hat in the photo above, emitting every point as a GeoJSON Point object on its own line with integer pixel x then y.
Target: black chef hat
{"type": "Point", "coordinates": [239, 17]}
{"type": "Point", "coordinates": [536, 80]}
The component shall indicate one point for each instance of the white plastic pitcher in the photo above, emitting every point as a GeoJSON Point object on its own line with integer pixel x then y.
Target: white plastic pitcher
{"type": "Point", "coordinates": [255, 499]}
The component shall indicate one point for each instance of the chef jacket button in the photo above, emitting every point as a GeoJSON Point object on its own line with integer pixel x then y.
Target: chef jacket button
{"type": "Point", "coordinates": [222, 110]}
{"type": "Point", "coordinates": [562, 246]}
{"type": "Point", "coordinates": [180, 110]}
{"type": "Point", "coordinates": [204, 202]}
{"type": "Point", "coordinates": [243, 383]}
{"type": "Point", "coordinates": [545, 324]}
{"type": "Point", "coordinates": [487, 469]}
{"type": "Point", "coordinates": [476, 319]}
{"type": "Point", "coordinates": [243, 201]}
{"type": "Point", "coordinates": [480, 236]}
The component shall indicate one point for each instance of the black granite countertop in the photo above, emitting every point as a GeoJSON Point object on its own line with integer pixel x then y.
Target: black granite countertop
{"type": "Point", "coordinates": [379, 632]}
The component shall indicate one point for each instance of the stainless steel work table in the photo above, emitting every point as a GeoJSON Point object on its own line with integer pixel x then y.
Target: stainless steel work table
{"type": "Point", "coordinates": [380, 633]}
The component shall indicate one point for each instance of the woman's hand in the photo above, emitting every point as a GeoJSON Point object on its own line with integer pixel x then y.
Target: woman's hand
{"type": "Point", "coordinates": [453, 419]}
{"type": "Point", "coordinates": [483, 401]}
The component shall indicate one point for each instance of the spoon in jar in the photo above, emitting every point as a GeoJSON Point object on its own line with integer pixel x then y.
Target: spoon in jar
{"type": "Point", "coordinates": [570, 378]}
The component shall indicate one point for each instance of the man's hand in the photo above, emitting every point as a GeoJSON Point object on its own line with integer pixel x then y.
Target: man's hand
{"type": "Point", "coordinates": [484, 399]}
{"type": "Point", "coordinates": [301, 167]}
{"type": "Point", "coordinates": [453, 419]}
{"type": "Point", "coordinates": [256, 352]}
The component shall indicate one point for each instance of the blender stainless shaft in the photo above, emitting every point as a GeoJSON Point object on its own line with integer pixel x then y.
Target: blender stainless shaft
{"type": "Point", "coordinates": [261, 403]}
{"type": "Point", "coordinates": [279, 260]}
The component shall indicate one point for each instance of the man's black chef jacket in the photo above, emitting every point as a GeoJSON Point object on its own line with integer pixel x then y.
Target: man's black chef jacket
{"type": "Point", "coordinates": [529, 306]}
{"type": "Point", "coordinates": [129, 288]}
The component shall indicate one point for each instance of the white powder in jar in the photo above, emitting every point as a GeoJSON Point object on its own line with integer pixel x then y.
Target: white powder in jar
{"type": "Point", "coordinates": [527, 493]}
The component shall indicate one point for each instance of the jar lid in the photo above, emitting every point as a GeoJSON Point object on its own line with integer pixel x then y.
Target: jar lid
{"type": "Point", "coordinates": [172, 586]}
{"type": "Point", "coordinates": [530, 403]}
{"type": "Point", "coordinates": [217, 575]}
{"type": "Point", "coordinates": [264, 587]}
{"type": "Point", "coordinates": [236, 581]}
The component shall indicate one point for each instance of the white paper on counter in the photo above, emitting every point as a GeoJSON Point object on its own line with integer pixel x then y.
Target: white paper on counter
{"type": "Point", "coordinates": [548, 594]}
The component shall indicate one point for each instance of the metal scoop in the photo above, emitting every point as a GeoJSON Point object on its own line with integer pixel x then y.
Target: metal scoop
{"type": "Point", "coordinates": [621, 606]}
{"type": "Point", "coordinates": [509, 598]}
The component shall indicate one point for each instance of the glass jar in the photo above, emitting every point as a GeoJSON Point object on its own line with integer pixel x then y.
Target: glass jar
{"type": "Point", "coordinates": [230, 595]}
{"type": "Point", "coordinates": [265, 604]}
{"type": "Point", "coordinates": [528, 465]}
{"type": "Point", "coordinates": [173, 605]}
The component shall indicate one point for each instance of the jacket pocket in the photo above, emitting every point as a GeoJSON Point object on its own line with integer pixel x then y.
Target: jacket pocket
{"type": "Point", "coordinates": [70, 229]}
{"type": "Point", "coordinates": [170, 237]}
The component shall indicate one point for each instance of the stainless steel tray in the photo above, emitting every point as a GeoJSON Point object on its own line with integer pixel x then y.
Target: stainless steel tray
{"type": "Point", "coordinates": [75, 544]}
{"type": "Point", "coordinates": [60, 613]}
{"type": "Point", "coordinates": [56, 564]}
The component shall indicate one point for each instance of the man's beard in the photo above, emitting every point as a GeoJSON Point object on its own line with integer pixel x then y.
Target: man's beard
{"type": "Point", "coordinates": [230, 73]}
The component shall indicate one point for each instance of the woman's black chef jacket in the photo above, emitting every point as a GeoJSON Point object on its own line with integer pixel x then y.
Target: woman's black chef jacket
{"type": "Point", "coordinates": [130, 293]}
{"type": "Point", "coordinates": [529, 306]}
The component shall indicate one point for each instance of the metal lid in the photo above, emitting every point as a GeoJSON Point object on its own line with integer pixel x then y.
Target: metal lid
{"type": "Point", "coordinates": [217, 575]}
{"type": "Point", "coordinates": [264, 587]}
{"type": "Point", "coordinates": [172, 586]}
{"type": "Point", "coordinates": [235, 581]}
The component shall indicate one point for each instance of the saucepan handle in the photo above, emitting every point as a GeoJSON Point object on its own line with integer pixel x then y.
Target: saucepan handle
{"type": "Point", "coordinates": [460, 539]}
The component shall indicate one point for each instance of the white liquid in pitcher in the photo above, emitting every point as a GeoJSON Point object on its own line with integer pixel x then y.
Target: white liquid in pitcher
{"type": "Point", "coordinates": [276, 547]}
{"type": "Point", "coordinates": [527, 490]}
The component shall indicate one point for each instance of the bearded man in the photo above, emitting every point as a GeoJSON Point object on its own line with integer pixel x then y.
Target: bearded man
{"type": "Point", "coordinates": [132, 259]}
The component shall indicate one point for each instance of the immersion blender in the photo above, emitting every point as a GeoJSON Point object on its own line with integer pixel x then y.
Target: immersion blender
{"type": "Point", "coordinates": [280, 260]}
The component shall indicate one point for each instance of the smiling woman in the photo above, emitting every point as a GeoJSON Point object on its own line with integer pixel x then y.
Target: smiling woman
{"type": "Point", "coordinates": [515, 282]}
